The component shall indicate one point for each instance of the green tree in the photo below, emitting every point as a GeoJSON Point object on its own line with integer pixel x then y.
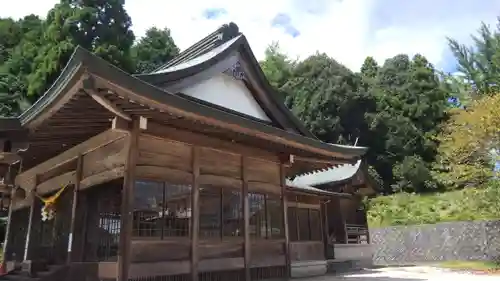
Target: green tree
{"type": "Point", "coordinates": [277, 66]}
{"type": "Point", "coordinates": [325, 95]}
{"type": "Point", "coordinates": [481, 63]}
{"type": "Point", "coordinates": [10, 33]}
{"type": "Point", "coordinates": [153, 50]}
{"type": "Point", "coordinates": [19, 64]}
{"type": "Point", "coordinates": [411, 103]}
{"type": "Point", "coordinates": [102, 27]}
{"type": "Point", "coordinates": [469, 144]}
{"type": "Point", "coordinates": [369, 68]}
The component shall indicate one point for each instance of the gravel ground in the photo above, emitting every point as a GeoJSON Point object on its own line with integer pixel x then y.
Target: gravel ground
{"type": "Point", "coordinates": [421, 273]}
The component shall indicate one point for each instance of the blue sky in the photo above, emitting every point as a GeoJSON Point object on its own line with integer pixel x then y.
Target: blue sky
{"type": "Point", "coordinates": [348, 30]}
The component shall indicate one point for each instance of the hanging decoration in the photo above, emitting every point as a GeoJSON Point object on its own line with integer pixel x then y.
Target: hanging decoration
{"type": "Point", "coordinates": [49, 204]}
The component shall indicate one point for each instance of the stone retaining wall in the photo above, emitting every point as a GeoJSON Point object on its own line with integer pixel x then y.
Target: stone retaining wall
{"type": "Point", "coordinates": [404, 245]}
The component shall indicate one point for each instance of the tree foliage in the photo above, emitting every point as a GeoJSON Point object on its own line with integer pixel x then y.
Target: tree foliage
{"type": "Point", "coordinates": [469, 144]}
{"type": "Point", "coordinates": [480, 63]}
{"type": "Point", "coordinates": [102, 27]}
{"type": "Point", "coordinates": [325, 95]}
{"type": "Point", "coordinates": [277, 66]}
{"type": "Point", "coordinates": [33, 51]}
{"type": "Point", "coordinates": [153, 50]}
{"type": "Point", "coordinates": [394, 109]}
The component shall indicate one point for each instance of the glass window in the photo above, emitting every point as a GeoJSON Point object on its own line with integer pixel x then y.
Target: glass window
{"type": "Point", "coordinates": [176, 210]}
{"type": "Point", "coordinates": [232, 213]}
{"type": "Point", "coordinates": [210, 211]}
{"type": "Point", "coordinates": [275, 212]}
{"type": "Point", "coordinates": [148, 206]}
{"type": "Point", "coordinates": [257, 213]}
{"type": "Point", "coordinates": [266, 216]}
{"type": "Point", "coordinates": [161, 210]}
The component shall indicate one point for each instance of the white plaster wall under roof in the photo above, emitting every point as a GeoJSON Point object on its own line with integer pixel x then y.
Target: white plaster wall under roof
{"type": "Point", "coordinates": [335, 174]}
{"type": "Point", "coordinates": [225, 91]}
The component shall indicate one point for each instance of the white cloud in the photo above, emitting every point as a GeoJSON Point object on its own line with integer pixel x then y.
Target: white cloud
{"type": "Point", "coordinates": [342, 28]}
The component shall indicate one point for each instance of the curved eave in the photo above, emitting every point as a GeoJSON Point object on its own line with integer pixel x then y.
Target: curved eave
{"type": "Point", "coordinates": [249, 55]}
{"type": "Point", "coordinates": [66, 80]}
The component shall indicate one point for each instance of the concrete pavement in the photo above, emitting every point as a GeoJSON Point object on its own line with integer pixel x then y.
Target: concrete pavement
{"type": "Point", "coordinates": [420, 273]}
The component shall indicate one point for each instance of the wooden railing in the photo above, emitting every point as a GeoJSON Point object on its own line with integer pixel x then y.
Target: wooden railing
{"type": "Point", "coordinates": [357, 234]}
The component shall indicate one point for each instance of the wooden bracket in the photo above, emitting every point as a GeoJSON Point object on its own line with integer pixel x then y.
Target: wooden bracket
{"type": "Point", "coordinates": [119, 123]}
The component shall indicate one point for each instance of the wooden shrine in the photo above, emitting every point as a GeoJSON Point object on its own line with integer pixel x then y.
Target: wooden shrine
{"type": "Point", "coordinates": [180, 174]}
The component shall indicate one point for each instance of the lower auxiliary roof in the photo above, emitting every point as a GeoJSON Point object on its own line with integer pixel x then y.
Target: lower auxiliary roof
{"type": "Point", "coordinates": [332, 175]}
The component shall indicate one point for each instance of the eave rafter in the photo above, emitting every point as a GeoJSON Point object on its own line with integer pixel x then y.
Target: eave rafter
{"type": "Point", "coordinates": [90, 89]}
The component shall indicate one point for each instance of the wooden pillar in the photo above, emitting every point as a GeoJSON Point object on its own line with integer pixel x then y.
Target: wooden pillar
{"type": "Point", "coordinates": [127, 202]}
{"type": "Point", "coordinates": [8, 182]}
{"type": "Point", "coordinates": [284, 204]}
{"type": "Point", "coordinates": [325, 227]}
{"type": "Point", "coordinates": [246, 217]}
{"type": "Point", "coordinates": [28, 248]}
{"type": "Point", "coordinates": [195, 214]}
{"type": "Point", "coordinates": [76, 190]}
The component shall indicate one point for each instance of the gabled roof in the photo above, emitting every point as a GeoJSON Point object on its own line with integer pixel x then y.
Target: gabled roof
{"type": "Point", "coordinates": [68, 103]}
{"type": "Point", "coordinates": [224, 50]}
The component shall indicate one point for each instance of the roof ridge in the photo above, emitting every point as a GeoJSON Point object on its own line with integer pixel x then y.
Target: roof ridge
{"type": "Point", "coordinates": [223, 34]}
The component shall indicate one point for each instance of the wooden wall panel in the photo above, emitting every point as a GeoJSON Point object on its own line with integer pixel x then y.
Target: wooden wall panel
{"type": "Point", "coordinates": [218, 250]}
{"type": "Point", "coordinates": [154, 151]}
{"type": "Point", "coordinates": [160, 250]}
{"type": "Point", "coordinates": [107, 157]}
{"type": "Point", "coordinates": [156, 173]}
{"type": "Point", "coordinates": [56, 183]}
{"type": "Point", "coordinates": [307, 251]}
{"type": "Point", "coordinates": [263, 171]}
{"type": "Point", "coordinates": [263, 248]}
{"type": "Point", "coordinates": [220, 163]}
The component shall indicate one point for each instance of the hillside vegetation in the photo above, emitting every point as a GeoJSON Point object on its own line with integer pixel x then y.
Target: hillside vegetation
{"type": "Point", "coordinates": [480, 203]}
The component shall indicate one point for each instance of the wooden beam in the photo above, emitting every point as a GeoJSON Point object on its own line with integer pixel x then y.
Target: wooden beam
{"type": "Point", "coordinates": [325, 228]}
{"type": "Point", "coordinates": [246, 218]}
{"type": "Point", "coordinates": [195, 214]}
{"type": "Point", "coordinates": [28, 247]}
{"type": "Point", "coordinates": [284, 204]}
{"type": "Point", "coordinates": [100, 99]}
{"type": "Point", "coordinates": [201, 140]}
{"type": "Point", "coordinates": [120, 124]}
{"type": "Point", "coordinates": [9, 158]}
{"type": "Point", "coordinates": [8, 180]}
{"type": "Point", "coordinates": [76, 191]}
{"type": "Point", "coordinates": [26, 178]}
{"type": "Point", "coordinates": [330, 161]}
{"type": "Point", "coordinates": [124, 252]}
